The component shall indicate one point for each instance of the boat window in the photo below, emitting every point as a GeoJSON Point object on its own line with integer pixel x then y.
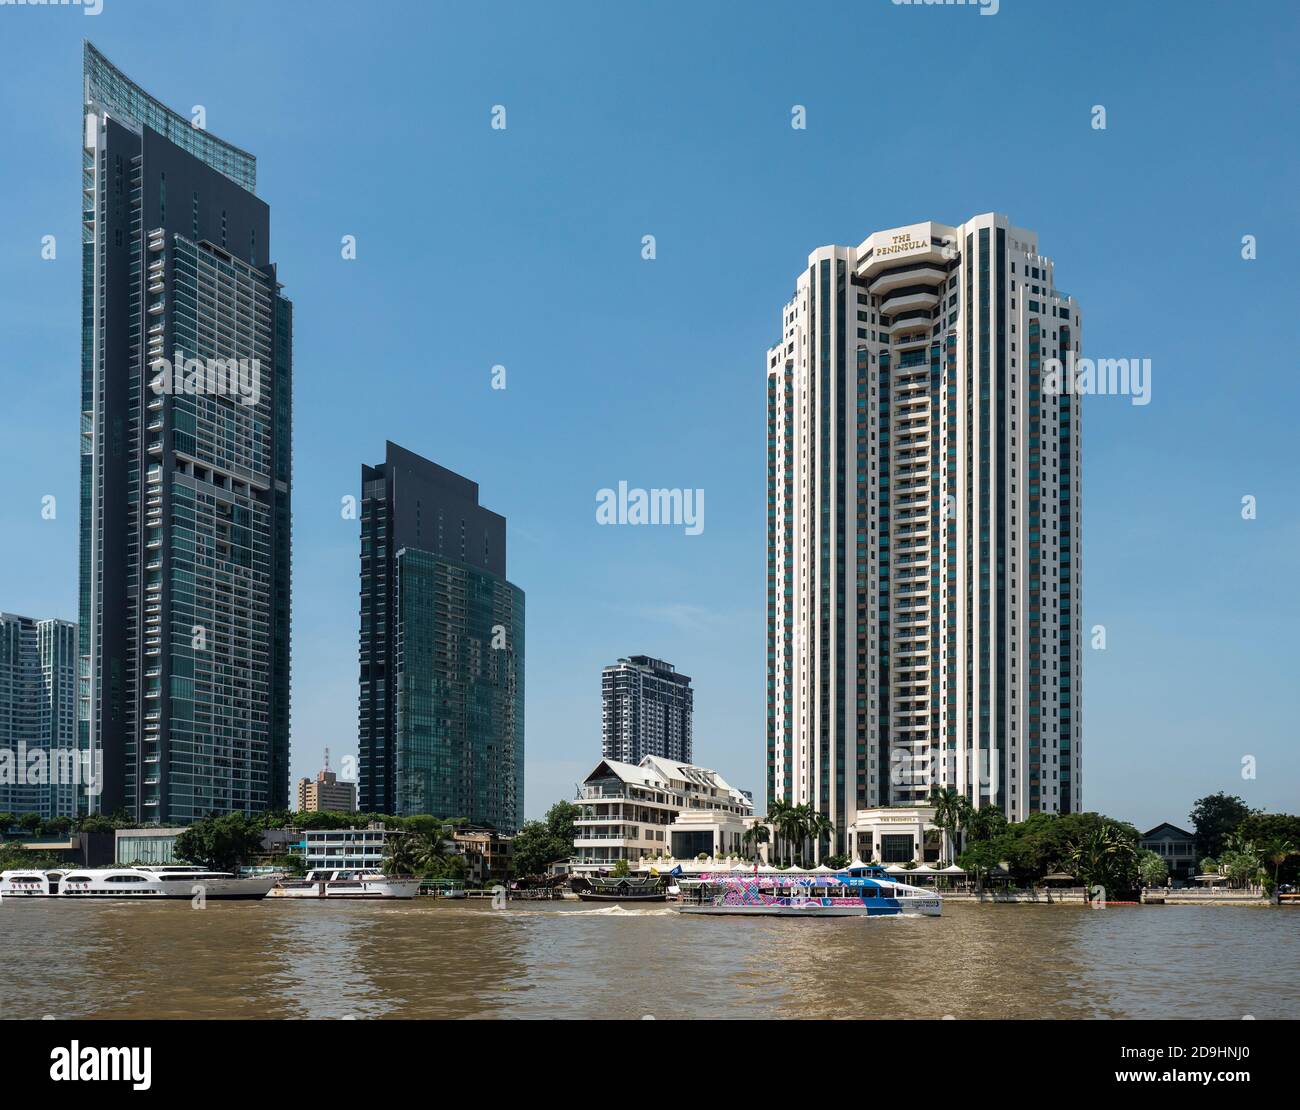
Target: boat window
{"type": "Point", "coordinates": [77, 879]}
{"type": "Point", "coordinates": [126, 879]}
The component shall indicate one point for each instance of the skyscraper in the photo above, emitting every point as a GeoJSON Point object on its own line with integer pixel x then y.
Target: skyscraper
{"type": "Point", "coordinates": [40, 770]}
{"type": "Point", "coordinates": [441, 713]}
{"type": "Point", "coordinates": [646, 709]}
{"type": "Point", "coordinates": [185, 466]}
{"type": "Point", "coordinates": [923, 528]}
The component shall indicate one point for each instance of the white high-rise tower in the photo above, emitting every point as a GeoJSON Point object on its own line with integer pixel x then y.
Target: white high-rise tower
{"type": "Point", "coordinates": [923, 529]}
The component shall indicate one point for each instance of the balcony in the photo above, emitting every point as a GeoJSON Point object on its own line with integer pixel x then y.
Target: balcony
{"type": "Point", "coordinates": [907, 299]}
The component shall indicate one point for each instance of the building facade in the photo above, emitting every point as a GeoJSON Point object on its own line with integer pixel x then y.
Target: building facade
{"type": "Point", "coordinates": [185, 467]}
{"type": "Point", "coordinates": [656, 807]}
{"type": "Point", "coordinates": [441, 701]}
{"type": "Point", "coordinates": [923, 528]}
{"type": "Point", "coordinates": [1174, 845]}
{"type": "Point", "coordinates": [326, 793]}
{"type": "Point", "coordinates": [41, 770]}
{"type": "Point", "coordinates": [646, 709]}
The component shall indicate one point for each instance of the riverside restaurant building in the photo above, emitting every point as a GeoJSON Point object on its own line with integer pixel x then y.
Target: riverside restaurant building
{"type": "Point", "coordinates": [657, 808]}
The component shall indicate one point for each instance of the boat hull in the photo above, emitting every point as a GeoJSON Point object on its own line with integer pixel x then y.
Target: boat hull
{"type": "Point", "coordinates": [925, 907]}
{"type": "Point", "coordinates": [357, 890]}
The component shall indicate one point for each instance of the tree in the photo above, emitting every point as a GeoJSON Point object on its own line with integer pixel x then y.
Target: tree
{"type": "Point", "coordinates": [621, 869]}
{"type": "Point", "coordinates": [400, 855]}
{"type": "Point", "coordinates": [754, 836]}
{"type": "Point", "coordinates": [538, 844]}
{"type": "Point", "coordinates": [979, 859]}
{"type": "Point", "coordinates": [985, 823]}
{"type": "Point", "coordinates": [1275, 853]}
{"type": "Point", "coordinates": [790, 824]}
{"type": "Point", "coordinates": [220, 842]}
{"type": "Point", "coordinates": [1215, 818]}
{"type": "Point", "coordinates": [1152, 869]}
{"type": "Point", "coordinates": [816, 826]}
{"type": "Point", "coordinates": [951, 812]}
{"type": "Point", "coordinates": [777, 819]}
{"type": "Point", "coordinates": [1105, 856]}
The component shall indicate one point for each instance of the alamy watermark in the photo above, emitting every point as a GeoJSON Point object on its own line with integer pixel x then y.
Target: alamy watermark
{"type": "Point", "coordinates": [656, 506]}
{"type": "Point", "coordinates": [1116, 377]}
{"type": "Point", "coordinates": [92, 7]}
{"type": "Point", "coordinates": [986, 7]}
{"type": "Point", "coordinates": [212, 377]}
{"type": "Point", "coordinates": [43, 766]}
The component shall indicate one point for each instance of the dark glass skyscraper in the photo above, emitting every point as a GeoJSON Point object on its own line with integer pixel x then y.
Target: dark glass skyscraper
{"type": "Point", "coordinates": [185, 466]}
{"type": "Point", "coordinates": [441, 711]}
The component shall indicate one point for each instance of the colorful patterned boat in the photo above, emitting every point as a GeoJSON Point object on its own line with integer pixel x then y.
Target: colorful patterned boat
{"type": "Point", "coordinates": [854, 892]}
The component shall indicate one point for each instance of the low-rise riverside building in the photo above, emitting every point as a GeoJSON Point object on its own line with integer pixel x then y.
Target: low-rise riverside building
{"type": "Point", "coordinates": [895, 834]}
{"type": "Point", "coordinates": [489, 854]}
{"type": "Point", "coordinates": [656, 808]}
{"type": "Point", "coordinates": [1177, 847]}
{"type": "Point", "coordinates": [346, 848]}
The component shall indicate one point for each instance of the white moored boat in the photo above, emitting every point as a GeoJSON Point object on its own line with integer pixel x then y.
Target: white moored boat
{"type": "Point", "coordinates": [345, 883]}
{"type": "Point", "coordinates": [171, 881]}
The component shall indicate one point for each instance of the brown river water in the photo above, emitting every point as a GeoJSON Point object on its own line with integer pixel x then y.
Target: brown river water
{"type": "Point", "coordinates": [428, 959]}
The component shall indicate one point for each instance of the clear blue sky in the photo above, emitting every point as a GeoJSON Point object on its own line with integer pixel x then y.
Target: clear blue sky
{"type": "Point", "coordinates": [523, 247]}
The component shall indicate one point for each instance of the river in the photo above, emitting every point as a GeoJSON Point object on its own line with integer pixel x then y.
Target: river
{"type": "Point", "coordinates": [429, 959]}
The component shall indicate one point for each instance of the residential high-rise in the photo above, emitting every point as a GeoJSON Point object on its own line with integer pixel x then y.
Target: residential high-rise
{"type": "Point", "coordinates": [185, 466]}
{"type": "Point", "coordinates": [646, 709]}
{"type": "Point", "coordinates": [923, 528]}
{"type": "Point", "coordinates": [40, 767]}
{"type": "Point", "coordinates": [441, 714]}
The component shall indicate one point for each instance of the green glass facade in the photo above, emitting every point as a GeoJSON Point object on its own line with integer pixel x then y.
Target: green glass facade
{"type": "Point", "coordinates": [460, 692]}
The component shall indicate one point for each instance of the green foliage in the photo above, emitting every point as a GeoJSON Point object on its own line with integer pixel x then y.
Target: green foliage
{"type": "Point", "coordinates": [1105, 855]}
{"type": "Point", "coordinates": [621, 869]}
{"type": "Point", "coordinates": [1215, 818]}
{"type": "Point", "coordinates": [951, 812]}
{"type": "Point", "coordinates": [220, 842]}
{"type": "Point", "coordinates": [538, 844]}
{"type": "Point", "coordinates": [838, 861]}
{"type": "Point", "coordinates": [1152, 869]}
{"type": "Point", "coordinates": [292, 864]}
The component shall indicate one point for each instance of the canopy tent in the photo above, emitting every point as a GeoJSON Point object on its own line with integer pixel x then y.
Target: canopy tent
{"type": "Point", "coordinates": [896, 869]}
{"type": "Point", "coordinates": [822, 869]}
{"type": "Point", "coordinates": [953, 869]}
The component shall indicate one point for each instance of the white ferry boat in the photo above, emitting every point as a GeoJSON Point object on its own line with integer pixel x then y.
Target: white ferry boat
{"type": "Point", "coordinates": [172, 881]}
{"type": "Point", "coordinates": [861, 891]}
{"type": "Point", "coordinates": [350, 883]}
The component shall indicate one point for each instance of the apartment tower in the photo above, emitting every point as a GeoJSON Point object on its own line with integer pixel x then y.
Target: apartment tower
{"type": "Point", "coordinates": [40, 771]}
{"type": "Point", "coordinates": [185, 466]}
{"type": "Point", "coordinates": [646, 709]}
{"type": "Point", "coordinates": [923, 528]}
{"type": "Point", "coordinates": [441, 705]}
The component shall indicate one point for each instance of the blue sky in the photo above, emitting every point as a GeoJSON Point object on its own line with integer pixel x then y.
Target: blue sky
{"type": "Point", "coordinates": [522, 247]}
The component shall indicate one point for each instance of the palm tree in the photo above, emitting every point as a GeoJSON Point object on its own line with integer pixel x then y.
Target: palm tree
{"type": "Point", "coordinates": [429, 849]}
{"type": "Point", "coordinates": [1277, 852]}
{"type": "Point", "coordinates": [754, 836]}
{"type": "Point", "coordinates": [790, 824]}
{"type": "Point", "coordinates": [1104, 857]}
{"type": "Point", "coordinates": [399, 855]}
{"type": "Point", "coordinates": [816, 826]}
{"type": "Point", "coordinates": [951, 812]}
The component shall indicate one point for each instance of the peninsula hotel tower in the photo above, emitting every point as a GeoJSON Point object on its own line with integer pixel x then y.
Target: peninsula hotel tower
{"type": "Point", "coordinates": [923, 530]}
